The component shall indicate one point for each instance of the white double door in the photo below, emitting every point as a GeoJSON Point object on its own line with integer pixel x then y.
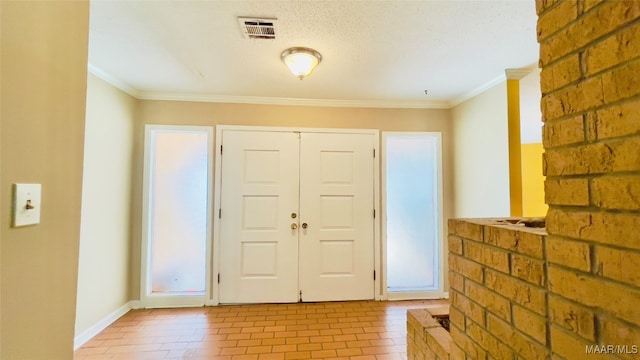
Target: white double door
{"type": "Point", "coordinates": [297, 221]}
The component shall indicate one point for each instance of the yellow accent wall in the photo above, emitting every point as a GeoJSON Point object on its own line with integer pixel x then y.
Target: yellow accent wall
{"type": "Point", "coordinates": [532, 181]}
{"type": "Point", "coordinates": [515, 174]}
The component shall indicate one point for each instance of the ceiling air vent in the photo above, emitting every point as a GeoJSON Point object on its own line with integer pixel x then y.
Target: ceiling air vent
{"type": "Point", "coordinates": [253, 28]}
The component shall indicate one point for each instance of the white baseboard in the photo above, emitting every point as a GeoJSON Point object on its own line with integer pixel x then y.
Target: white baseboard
{"type": "Point", "coordinates": [94, 330]}
{"type": "Point", "coordinates": [135, 304]}
{"type": "Point", "coordinates": [431, 295]}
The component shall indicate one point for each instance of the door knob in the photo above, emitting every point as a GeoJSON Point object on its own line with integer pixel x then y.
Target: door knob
{"type": "Point", "coordinates": [294, 215]}
{"type": "Point", "coordinates": [294, 226]}
{"type": "Point", "coordinates": [304, 225]}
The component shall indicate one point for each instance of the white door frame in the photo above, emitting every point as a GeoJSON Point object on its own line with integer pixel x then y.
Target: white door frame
{"type": "Point", "coordinates": [148, 300]}
{"type": "Point", "coordinates": [213, 295]}
{"type": "Point", "coordinates": [439, 293]}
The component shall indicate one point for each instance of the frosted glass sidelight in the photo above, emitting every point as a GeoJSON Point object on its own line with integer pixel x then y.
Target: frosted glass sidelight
{"type": "Point", "coordinates": [412, 212]}
{"type": "Point", "coordinates": [178, 212]}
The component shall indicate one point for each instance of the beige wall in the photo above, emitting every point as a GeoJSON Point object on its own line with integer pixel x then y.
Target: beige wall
{"type": "Point", "coordinates": [103, 269]}
{"type": "Point", "coordinates": [44, 62]}
{"type": "Point", "coordinates": [2, 208]}
{"type": "Point", "coordinates": [530, 114]}
{"type": "Point", "coordinates": [481, 182]}
{"type": "Point", "coordinates": [210, 114]}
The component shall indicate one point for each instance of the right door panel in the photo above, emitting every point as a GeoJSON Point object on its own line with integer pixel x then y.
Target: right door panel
{"type": "Point", "coordinates": [336, 243]}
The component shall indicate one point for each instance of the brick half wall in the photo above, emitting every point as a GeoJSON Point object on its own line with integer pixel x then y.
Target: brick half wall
{"type": "Point", "coordinates": [498, 290]}
{"type": "Point", "coordinates": [517, 293]}
{"type": "Point", "coordinates": [574, 292]}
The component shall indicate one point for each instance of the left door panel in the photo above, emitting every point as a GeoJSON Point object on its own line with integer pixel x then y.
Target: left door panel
{"type": "Point", "coordinates": [259, 208]}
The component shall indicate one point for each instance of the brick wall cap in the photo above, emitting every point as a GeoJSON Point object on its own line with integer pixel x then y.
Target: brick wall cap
{"type": "Point", "coordinates": [511, 223]}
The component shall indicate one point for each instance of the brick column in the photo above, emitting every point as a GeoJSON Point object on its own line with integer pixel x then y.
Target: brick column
{"type": "Point", "coordinates": [590, 80]}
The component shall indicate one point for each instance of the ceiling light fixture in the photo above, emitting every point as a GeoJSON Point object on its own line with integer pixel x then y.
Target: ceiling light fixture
{"type": "Point", "coordinates": [301, 61]}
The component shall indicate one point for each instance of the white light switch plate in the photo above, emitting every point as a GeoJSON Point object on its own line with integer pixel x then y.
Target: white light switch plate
{"type": "Point", "coordinates": [26, 204]}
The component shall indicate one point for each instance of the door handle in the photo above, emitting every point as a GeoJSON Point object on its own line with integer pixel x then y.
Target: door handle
{"type": "Point", "coordinates": [294, 226]}
{"type": "Point", "coordinates": [304, 225]}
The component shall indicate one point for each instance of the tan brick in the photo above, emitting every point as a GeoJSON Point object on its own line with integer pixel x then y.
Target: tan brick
{"type": "Point", "coordinates": [617, 300]}
{"type": "Point", "coordinates": [457, 318]}
{"type": "Point", "coordinates": [616, 333]}
{"type": "Point", "coordinates": [530, 323]}
{"type": "Point", "coordinates": [466, 268]}
{"type": "Point", "coordinates": [616, 192]}
{"type": "Point", "coordinates": [456, 353]}
{"type": "Point", "coordinates": [622, 83]}
{"type": "Point", "coordinates": [439, 341]}
{"type": "Point", "coordinates": [587, 5]}
{"type": "Point", "coordinates": [491, 301]}
{"type": "Point", "coordinates": [566, 192]}
{"type": "Point", "coordinates": [543, 5]}
{"type": "Point", "coordinates": [614, 121]}
{"type": "Point", "coordinates": [572, 317]}
{"type": "Point", "coordinates": [557, 46]}
{"type": "Point", "coordinates": [525, 294]}
{"type": "Point", "coordinates": [465, 229]}
{"type": "Point", "coordinates": [522, 345]}
{"type": "Point", "coordinates": [569, 253]}
{"type": "Point", "coordinates": [593, 25]}
{"type": "Point", "coordinates": [552, 21]}
{"type": "Point", "coordinates": [490, 343]}
{"type": "Point", "coordinates": [472, 310]}
{"type": "Point", "coordinates": [621, 265]}
{"type": "Point", "coordinates": [455, 244]}
{"type": "Point", "coordinates": [528, 269]}
{"type": "Point", "coordinates": [490, 257]}
{"type": "Point", "coordinates": [607, 228]}
{"type": "Point", "coordinates": [573, 99]}
{"type": "Point", "coordinates": [564, 132]}
{"type": "Point", "coordinates": [566, 71]}
{"type": "Point", "coordinates": [546, 80]}
{"type": "Point", "coordinates": [571, 347]}
{"type": "Point", "coordinates": [470, 347]}
{"type": "Point", "coordinates": [421, 319]}
{"type": "Point", "coordinates": [617, 49]}
{"type": "Point", "coordinates": [604, 157]}
{"type": "Point", "coordinates": [519, 241]}
{"type": "Point", "coordinates": [456, 281]}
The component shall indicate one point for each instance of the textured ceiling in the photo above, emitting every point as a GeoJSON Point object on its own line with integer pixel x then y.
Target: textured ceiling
{"type": "Point", "coordinates": [385, 52]}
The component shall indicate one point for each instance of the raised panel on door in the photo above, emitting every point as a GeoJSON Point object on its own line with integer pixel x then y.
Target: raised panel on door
{"type": "Point", "coordinates": [258, 248]}
{"type": "Point", "coordinates": [336, 204]}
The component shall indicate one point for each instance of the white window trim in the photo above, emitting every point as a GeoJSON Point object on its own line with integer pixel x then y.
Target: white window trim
{"type": "Point", "coordinates": [438, 293]}
{"type": "Point", "coordinates": [148, 300]}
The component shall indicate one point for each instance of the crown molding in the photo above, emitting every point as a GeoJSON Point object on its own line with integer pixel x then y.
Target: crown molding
{"type": "Point", "coordinates": [258, 100]}
{"type": "Point", "coordinates": [517, 74]}
{"type": "Point", "coordinates": [113, 81]}
{"type": "Point", "coordinates": [477, 91]}
{"type": "Point", "coordinates": [294, 101]}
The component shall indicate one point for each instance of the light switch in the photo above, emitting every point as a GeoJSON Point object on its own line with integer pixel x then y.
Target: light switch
{"type": "Point", "coordinates": [26, 204]}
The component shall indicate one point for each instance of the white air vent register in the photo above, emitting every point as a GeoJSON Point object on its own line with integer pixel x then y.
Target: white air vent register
{"type": "Point", "coordinates": [254, 28]}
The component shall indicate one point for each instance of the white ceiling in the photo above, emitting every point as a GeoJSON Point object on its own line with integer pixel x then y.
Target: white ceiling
{"type": "Point", "coordinates": [378, 53]}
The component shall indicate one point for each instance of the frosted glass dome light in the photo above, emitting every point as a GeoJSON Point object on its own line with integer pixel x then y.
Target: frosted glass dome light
{"type": "Point", "coordinates": [301, 61]}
